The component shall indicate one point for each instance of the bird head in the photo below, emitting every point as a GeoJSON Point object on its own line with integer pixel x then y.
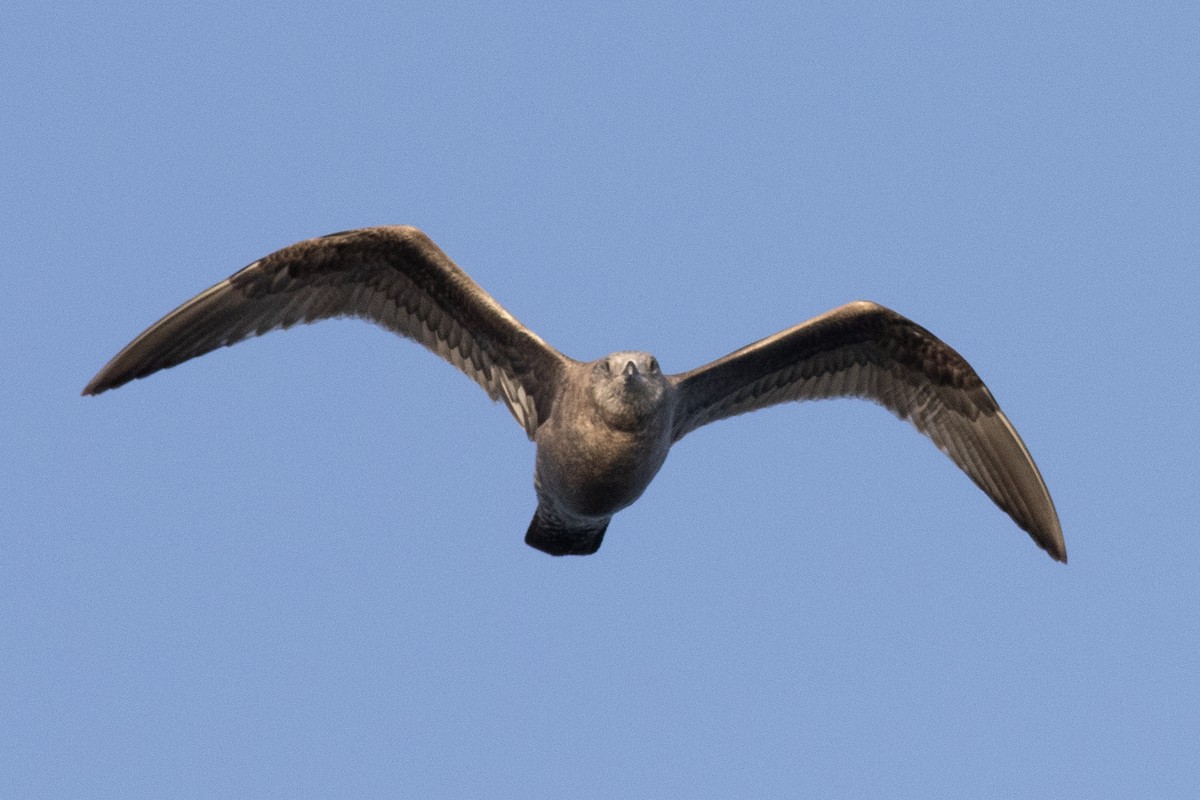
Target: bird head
{"type": "Point", "coordinates": [628, 387]}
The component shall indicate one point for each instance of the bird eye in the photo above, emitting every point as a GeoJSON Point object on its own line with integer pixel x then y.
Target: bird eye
{"type": "Point", "coordinates": [607, 366]}
{"type": "Point", "coordinates": [654, 365]}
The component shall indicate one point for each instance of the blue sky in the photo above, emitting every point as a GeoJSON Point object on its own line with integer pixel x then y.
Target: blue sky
{"type": "Point", "coordinates": [295, 568]}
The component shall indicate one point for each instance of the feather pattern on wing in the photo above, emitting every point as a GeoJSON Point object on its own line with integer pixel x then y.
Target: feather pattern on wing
{"type": "Point", "coordinates": [865, 350]}
{"type": "Point", "coordinates": [393, 276]}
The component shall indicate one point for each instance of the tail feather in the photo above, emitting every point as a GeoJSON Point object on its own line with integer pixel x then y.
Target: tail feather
{"type": "Point", "coordinates": [563, 539]}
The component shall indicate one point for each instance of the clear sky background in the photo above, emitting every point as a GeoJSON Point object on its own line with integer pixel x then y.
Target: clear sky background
{"type": "Point", "coordinates": [295, 568]}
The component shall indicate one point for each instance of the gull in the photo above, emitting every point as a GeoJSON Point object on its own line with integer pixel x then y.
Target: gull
{"type": "Point", "coordinates": [604, 428]}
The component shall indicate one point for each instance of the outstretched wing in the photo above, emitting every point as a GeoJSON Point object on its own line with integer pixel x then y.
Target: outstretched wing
{"type": "Point", "coordinates": [865, 350]}
{"type": "Point", "coordinates": [393, 276]}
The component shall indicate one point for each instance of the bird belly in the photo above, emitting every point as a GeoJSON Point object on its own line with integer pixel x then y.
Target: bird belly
{"type": "Point", "coordinates": [595, 472]}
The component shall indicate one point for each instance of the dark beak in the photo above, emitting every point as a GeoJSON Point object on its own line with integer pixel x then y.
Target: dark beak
{"type": "Point", "coordinates": [630, 369]}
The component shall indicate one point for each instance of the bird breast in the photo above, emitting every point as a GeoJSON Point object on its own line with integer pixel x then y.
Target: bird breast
{"type": "Point", "coordinates": [594, 469]}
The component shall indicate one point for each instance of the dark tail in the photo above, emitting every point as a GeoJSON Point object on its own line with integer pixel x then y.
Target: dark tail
{"type": "Point", "coordinates": [560, 539]}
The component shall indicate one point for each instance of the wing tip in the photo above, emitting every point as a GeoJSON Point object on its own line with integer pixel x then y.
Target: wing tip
{"type": "Point", "coordinates": [1047, 531]}
{"type": "Point", "coordinates": [1049, 538]}
{"type": "Point", "coordinates": [1057, 549]}
{"type": "Point", "coordinates": [106, 379]}
{"type": "Point", "coordinates": [95, 386]}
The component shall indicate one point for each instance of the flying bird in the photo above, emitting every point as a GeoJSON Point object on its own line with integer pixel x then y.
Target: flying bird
{"type": "Point", "coordinates": [603, 428]}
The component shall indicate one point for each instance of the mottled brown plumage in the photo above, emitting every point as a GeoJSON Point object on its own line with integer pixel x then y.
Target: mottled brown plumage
{"type": "Point", "coordinates": [393, 276]}
{"type": "Point", "coordinates": [604, 428]}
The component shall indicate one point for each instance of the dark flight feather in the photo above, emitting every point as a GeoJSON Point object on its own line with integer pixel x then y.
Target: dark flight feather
{"type": "Point", "coordinates": [395, 277]}
{"type": "Point", "coordinates": [865, 350]}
